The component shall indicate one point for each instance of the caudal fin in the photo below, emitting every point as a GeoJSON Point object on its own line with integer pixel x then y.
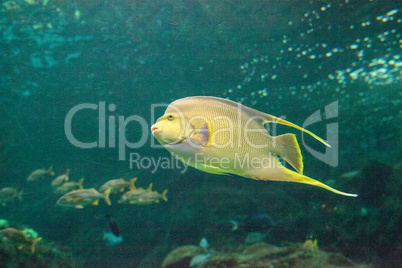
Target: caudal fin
{"type": "Point", "coordinates": [164, 195]}
{"type": "Point", "coordinates": [235, 225]}
{"type": "Point", "coordinates": [20, 197]}
{"type": "Point", "coordinates": [131, 186]}
{"type": "Point", "coordinates": [106, 196]}
{"type": "Point", "coordinates": [50, 171]}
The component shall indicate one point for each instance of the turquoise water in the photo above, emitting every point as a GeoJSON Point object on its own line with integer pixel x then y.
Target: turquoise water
{"type": "Point", "coordinates": [126, 60]}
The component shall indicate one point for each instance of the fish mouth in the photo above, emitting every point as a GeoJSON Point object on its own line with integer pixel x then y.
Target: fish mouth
{"type": "Point", "coordinates": [154, 128]}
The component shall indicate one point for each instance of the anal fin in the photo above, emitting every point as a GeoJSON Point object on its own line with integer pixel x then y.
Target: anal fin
{"type": "Point", "coordinates": [280, 173]}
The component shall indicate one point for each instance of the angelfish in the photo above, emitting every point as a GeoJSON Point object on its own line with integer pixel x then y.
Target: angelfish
{"type": "Point", "coordinates": [220, 136]}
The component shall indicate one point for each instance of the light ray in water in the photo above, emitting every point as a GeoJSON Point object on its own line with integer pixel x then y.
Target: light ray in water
{"type": "Point", "coordinates": [338, 45]}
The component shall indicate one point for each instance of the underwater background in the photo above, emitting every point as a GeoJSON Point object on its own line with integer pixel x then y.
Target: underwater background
{"type": "Point", "coordinates": [285, 58]}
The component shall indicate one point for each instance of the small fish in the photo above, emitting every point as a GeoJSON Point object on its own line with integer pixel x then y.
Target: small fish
{"type": "Point", "coordinates": [15, 237]}
{"type": "Point", "coordinates": [60, 179]}
{"type": "Point", "coordinates": [350, 174]}
{"type": "Point", "coordinates": [204, 243]}
{"type": "Point", "coordinates": [114, 237]}
{"type": "Point", "coordinates": [118, 185]}
{"type": "Point", "coordinates": [69, 186]}
{"type": "Point", "coordinates": [310, 245]}
{"type": "Point", "coordinates": [149, 197]}
{"type": "Point", "coordinates": [220, 136]}
{"type": "Point", "coordinates": [254, 223]}
{"type": "Point", "coordinates": [111, 239]}
{"type": "Point", "coordinates": [254, 237]}
{"type": "Point", "coordinates": [82, 197]}
{"type": "Point", "coordinates": [132, 195]}
{"type": "Point", "coordinates": [113, 225]}
{"type": "Point", "coordinates": [9, 194]}
{"type": "Point", "coordinates": [40, 173]}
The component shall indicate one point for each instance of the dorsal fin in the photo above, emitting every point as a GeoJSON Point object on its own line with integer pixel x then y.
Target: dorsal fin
{"type": "Point", "coordinates": [273, 119]}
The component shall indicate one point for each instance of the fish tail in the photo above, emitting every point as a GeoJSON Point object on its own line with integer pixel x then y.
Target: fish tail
{"type": "Point", "coordinates": [106, 196]}
{"type": "Point", "coordinates": [50, 170]}
{"type": "Point", "coordinates": [80, 183]}
{"type": "Point", "coordinates": [288, 148]}
{"type": "Point", "coordinates": [131, 186]}
{"type": "Point", "coordinates": [235, 225]}
{"type": "Point", "coordinates": [33, 243]}
{"type": "Point", "coordinates": [67, 172]}
{"type": "Point", "coordinates": [164, 195]}
{"type": "Point", "coordinates": [150, 187]}
{"type": "Point", "coordinates": [20, 195]}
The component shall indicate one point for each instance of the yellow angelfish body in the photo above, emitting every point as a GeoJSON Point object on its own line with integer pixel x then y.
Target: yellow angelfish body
{"type": "Point", "coordinates": [220, 136]}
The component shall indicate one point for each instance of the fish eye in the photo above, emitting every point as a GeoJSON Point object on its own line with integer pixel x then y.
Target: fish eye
{"type": "Point", "coordinates": [170, 117]}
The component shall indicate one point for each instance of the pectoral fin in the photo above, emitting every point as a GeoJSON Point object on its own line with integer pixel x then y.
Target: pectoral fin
{"type": "Point", "coordinates": [203, 137]}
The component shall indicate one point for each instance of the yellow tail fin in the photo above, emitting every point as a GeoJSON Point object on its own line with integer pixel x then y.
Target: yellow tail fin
{"type": "Point", "coordinates": [50, 170]}
{"type": "Point", "coordinates": [131, 186]}
{"type": "Point", "coordinates": [164, 195]}
{"type": "Point", "coordinates": [106, 196]}
{"type": "Point", "coordinates": [20, 195]}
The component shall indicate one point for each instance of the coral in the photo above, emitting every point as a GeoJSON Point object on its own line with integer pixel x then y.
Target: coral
{"type": "Point", "coordinates": [3, 223]}
{"type": "Point", "coordinates": [46, 255]}
{"type": "Point", "coordinates": [261, 255]}
{"type": "Point", "coordinates": [181, 256]}
{"type": "Point", "coordinates": [30, 233]}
